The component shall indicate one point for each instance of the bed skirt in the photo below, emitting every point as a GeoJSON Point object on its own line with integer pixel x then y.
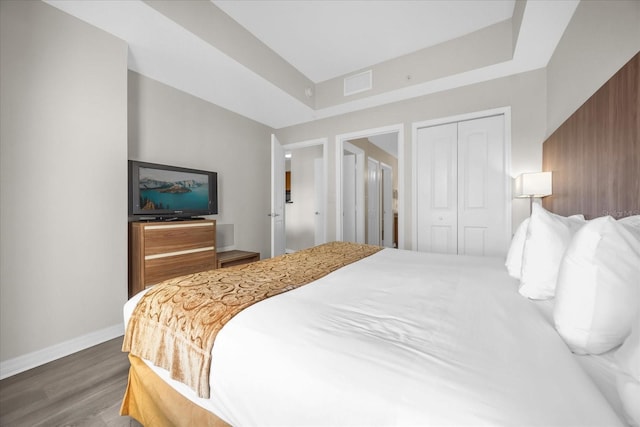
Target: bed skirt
{"type": "Point", "coordinates": [152, 402]}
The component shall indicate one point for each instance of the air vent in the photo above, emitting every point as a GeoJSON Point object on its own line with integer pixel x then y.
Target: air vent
{"type": "Point", "coordinates": [358, 83]}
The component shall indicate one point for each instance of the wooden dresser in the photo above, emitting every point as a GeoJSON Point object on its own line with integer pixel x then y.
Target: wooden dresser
{"type": "Point", "coordinates": [162, 250]}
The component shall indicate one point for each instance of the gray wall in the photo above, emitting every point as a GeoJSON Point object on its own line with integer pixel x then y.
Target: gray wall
{"type": "Point", "coordinates": [63, 202]}
{"type": "Point", "coordinates": [171, 127]}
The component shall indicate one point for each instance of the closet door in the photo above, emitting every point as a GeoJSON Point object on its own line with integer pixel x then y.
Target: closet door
{"type": "Point", "coordinates": [481, 183]}
{"type": "Point", "coordinates": [437, 182]}
{"type": "Point", "coordinates": [461, 198]}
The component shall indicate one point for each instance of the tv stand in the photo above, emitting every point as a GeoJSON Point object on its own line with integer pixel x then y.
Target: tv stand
{"type": "Point", "coordinates": [161, 250]}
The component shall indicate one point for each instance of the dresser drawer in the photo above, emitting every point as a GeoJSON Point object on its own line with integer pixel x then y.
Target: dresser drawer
{"type": "Point", "coordinates": [161, 239]}
{"type": "Point", "coordinates": [167, 267]}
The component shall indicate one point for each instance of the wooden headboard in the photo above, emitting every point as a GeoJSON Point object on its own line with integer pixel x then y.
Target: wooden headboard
{"type": "Point", "coordinates": [595, 154]}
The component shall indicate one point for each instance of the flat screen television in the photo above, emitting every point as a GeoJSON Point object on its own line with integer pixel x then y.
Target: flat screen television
{"type": "Point", "coordinates": [171, 192]}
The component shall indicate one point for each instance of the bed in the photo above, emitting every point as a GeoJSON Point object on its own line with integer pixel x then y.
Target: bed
{"type": "Point", "coordinates": [394, 337]}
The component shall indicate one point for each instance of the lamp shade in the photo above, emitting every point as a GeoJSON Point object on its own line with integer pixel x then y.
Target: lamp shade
{"type": "Point", "coordinates": [537, 184]}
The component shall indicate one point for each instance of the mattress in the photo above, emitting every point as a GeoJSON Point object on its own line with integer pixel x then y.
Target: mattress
{"type": "Point", "coordinates": [399, 338]}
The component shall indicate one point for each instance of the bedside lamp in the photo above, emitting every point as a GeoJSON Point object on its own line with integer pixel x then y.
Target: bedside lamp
{"type": "Point", "coordinates": [537, 184]}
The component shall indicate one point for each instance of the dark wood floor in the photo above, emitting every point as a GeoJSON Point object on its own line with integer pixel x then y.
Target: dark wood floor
{"type": "Point", "coordinates": [83, 389]}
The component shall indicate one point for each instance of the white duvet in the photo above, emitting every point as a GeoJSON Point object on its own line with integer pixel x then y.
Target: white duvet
{"type": "Point", "coordinates": [399, 338]}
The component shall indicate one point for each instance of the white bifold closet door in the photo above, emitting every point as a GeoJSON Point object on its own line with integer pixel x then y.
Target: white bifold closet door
{"type": "Point", "coordinates": [460, 179]}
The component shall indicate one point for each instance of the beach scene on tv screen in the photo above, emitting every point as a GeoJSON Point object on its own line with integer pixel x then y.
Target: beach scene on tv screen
{"type": "Point", "coordinates": [172, 190]}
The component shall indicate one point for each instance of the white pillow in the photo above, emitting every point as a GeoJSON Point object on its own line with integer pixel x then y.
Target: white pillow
{"type": "Point", "coordinates": [514, 256]}
{"type": "Point", "coordinates": [598, 293]}
{"type": "Point", "coordinates": [516, 249]}
{"type": "Point", "coordinates": [548, 237]}
{"type": "Point", "coordinates": [633, 220]}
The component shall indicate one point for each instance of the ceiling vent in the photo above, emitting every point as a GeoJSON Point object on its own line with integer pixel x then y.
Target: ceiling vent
{"type": "Point", "coordinates": [358, 83]}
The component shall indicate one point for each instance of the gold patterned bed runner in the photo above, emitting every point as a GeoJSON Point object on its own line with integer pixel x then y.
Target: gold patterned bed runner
{"type": "Point", "coordinates": [175, 323]}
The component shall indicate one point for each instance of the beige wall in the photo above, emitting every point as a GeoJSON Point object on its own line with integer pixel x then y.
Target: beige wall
{"type": "Point", "coordinates": [171, 127]}
{"type": "Point", "coordinates": [601, 37]}
{"type": "Point", "coordinates": [525, 93]}
{"type": "Point", "coordinates": [63, 204]}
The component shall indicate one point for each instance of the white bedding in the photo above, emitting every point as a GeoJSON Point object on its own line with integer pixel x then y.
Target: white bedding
{"type": "Point", "coordinates": [601, 368]}
{"type": "Point", "coordinates": [399, 338]}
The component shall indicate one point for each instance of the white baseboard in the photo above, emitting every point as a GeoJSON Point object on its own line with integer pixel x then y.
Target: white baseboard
{"type": "Point", "coordinates": [23, 363]}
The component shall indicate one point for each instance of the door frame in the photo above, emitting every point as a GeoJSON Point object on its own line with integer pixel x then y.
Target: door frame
{"type": "Point", "coordinates": [324, 142]}
{"type": "Point", "coordinates": [340, 140]}
{"type": "Point", "coordinates": [506, 111]}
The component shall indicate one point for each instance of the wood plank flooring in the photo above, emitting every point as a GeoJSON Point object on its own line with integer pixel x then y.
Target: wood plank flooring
{"type": "Point", "coordinates": [82, 389]}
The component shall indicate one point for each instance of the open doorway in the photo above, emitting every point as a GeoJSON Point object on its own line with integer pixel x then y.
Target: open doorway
{"type": "Point", "coordinates": [305, 194]}
{"type": "Point", "coordinates": [374, 208]}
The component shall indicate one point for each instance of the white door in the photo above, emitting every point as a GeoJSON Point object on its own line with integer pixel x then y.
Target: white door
{"type": "Point", "coordinates": [349, 197]}
{"type": "Point", "coordinates": [436, 184]}
{"type": "Point", "coordinates": [373, 202]}
{"type": "Point", "coordinates": [356, 204]}
{"type": "Point", "coordinates": [481, 175]}
{"type": "Point", "coordinates": [460, 181]}
{"type": "Point", "coordinates": [277, 198]}
{"type": "Point", "coordinates": [387, 205]}
{"type": "Point", "coordinates": [318, 173]}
